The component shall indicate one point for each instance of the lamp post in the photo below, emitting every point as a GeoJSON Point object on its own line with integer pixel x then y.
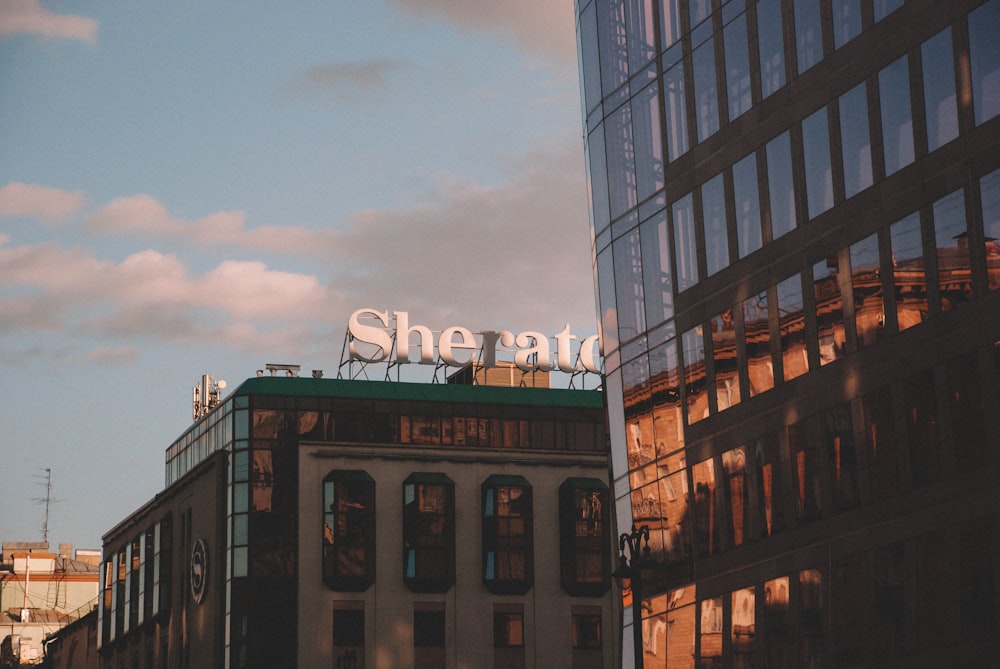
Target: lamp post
{"type": "Point", "coordinates": [628, 576]}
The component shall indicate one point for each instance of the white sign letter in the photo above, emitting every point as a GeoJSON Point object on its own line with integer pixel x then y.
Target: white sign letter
{"type": "Point", "coordinates": [445, 345]}
{"type": "Point", "coordinates": [368, 334]}
{"type": "Point", "coordinates": [538, 344]}
{"type": "Point", "coordinates": [403, 331]}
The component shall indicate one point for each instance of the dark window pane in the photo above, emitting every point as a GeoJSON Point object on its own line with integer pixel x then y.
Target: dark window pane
{"type": "Point", "coordinates": [708, 508]}
{"type": "Point", "coordinates": [984, 57]}
{"type": "Point", "coordinates": [885, 7]}
{"type": "Point", "coordinates": [746, 195]}
{"type": "Point", "coordinates": [869, 313]}
{"type": "Point", "coordinates": [792, 328]}
{"type": "Point", "coordinates": [812, 598]}
{"type": "Point", "coordinates": [772, 50]}
{"type": "Point", "coordinates": [584, 533]}
{"type": "Point", "coordinates": [658, 290]}
{"type": "Point", "coordinates": [769, 486]}
{"type": "Point", "coordinates": [694, 375]}
{"type": "Point", "coordinates": [598, 173]}
{"type": "Point", "coordinates": [968, 411]}
{"type": "Point", "coordinates": [710, 646]}
{"type": "Point", "coordinates": [428, 533]}
{"type": "Point", "coordinates": [609, 309]}
{"type": "Point", "coordinates": [951, 235]}
{"type": "Point", "coordinates": [706, 93]}
{"type": "Point", "coordinates": [881, 443]}
{"type": "Point", "coordinates": [670, 22]}
{"type": "Point", "coordinates": [639, 17]}
{"type": "Point", "coordinates": [734, 463]}
{"type": "Point", "coordinates": [648, 142]}
{"type": "Point", "coordinates": [806, 465]}
{"type": "Point", "coordinates": [713, 203]}
{"type": "Point", "coordinates": [808, 34]}
{"type": "Point", "coordinates": [846, 21]}
{"type": "Point", "coordinates": [921, 423]}
{"type": "Point", "coordinates": [908, 272]}
{"type": "Point", "coordinates": [782, 190]}
{"type": "Point", "coordinates": [685, 248]}
{"type": "Point", "coordinates": [897, 121]}
{"type": "Point", "coordinates": [855, 140]}
{"type": "Point", "coordinates": [620, 151]}
{"type": "Point", "coordinates": [628, 285]}
{"type": "Point", "coordinates": [727, 380]}
{"type": "Point", "coordinates": [508, 551]}
{"type": "Point", "coordinates": [349, 627]}
{"type": "Point", "coordinates": [940, 104]}
{"type": "Point", "coordinates": [675, 110]}
{"type": "Point", "coordinates": [775, 624]}
{"type": "Point", "coordinates": [819, 174]}
{"type": "Point", "coordinates": [744, 628]}
{"type": "Point", "coordinates": [734, 38]}
{"type": "Point", "coordinates": [838, 441]}
{"type": "Point", "coordinates": [348, 530]}
{"type": "Point", "coordinates": [586, 631]}
{"type": "Point", "coordinates": [428, 629]}
{"type": "Point", "coordinates": [989, 194]}
{"type": "Point", "coordinates": [758, 344]}
{"type": "Point", "coordinates": [829, 310]}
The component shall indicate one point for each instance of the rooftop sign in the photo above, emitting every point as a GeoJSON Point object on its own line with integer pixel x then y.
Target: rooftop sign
{"type": "Point", "coordinates": [375, 336]}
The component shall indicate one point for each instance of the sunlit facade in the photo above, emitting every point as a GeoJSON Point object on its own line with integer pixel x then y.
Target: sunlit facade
{"type": "Point", "coordinates": [339, 523]}
{"type": "Point", "coordinates": [796, 215]}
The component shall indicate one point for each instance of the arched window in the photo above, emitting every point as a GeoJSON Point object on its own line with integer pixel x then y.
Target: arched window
{"type": "Point", "coordinates": [508, 546]}
{"type": "Point", "coordinates": [348, 530]}
{"type": "Point", "coordinates": [584, 537]}
{"type": "Point", "coordinates": [428, 532]}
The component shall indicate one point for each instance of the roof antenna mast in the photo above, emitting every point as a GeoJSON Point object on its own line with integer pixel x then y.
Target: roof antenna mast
{"type": "Point", "coordinates": [47, 500]}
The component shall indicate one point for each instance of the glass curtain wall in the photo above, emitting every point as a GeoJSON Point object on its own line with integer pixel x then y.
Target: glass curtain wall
{"type": "Point", "coordinates": [779, 187]}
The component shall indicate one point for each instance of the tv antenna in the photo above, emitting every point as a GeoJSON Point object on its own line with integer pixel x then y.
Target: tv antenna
{"type": "Point", "coordinates": [47, 500]}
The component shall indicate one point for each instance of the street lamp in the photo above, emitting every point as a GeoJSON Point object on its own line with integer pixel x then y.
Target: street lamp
{"type": "Point", "coordinates": [628, 576]}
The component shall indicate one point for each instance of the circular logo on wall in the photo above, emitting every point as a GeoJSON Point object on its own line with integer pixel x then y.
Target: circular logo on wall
{"type": "Point", "coordinates": [199, 570]}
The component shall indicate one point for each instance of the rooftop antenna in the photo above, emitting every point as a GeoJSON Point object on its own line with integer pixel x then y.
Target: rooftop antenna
{"type": "Point", "coordinates": [206, 396]}
{"type": "Point", "coordinates": [47, 500]}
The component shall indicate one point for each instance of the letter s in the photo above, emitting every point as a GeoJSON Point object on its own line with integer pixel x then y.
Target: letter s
{"type": "Point", "coordinates": [368, 334]}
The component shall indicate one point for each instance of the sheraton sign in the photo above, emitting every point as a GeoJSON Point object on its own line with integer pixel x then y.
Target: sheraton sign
{"type": "Point", "coordinates": [375, 336]}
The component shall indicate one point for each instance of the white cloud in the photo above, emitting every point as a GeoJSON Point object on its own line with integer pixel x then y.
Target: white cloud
{"type": "Point", "coordinates": [545, 27]}
{"type": "Point", "coordinates": [514, 256]}
{"type": "Point", "coordinates": [29, 18]}
{"type": "Point", "coordinates": [40, 202]}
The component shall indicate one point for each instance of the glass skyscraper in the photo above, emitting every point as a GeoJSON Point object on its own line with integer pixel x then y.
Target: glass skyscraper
{"type": "Point", "coordinates": [796, 212]}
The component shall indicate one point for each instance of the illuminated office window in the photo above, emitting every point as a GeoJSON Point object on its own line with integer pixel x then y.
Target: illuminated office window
{"type": "Point", "coordinates": [727, 378]}
{"type": "Point", "coordinates": [508, 636]}
{"type": "Point", "coordinates": [710, 637]}
{"type": "Point", "coordinates": [744, 628]}
{"type": "Point", "coordinates": [734, 465]}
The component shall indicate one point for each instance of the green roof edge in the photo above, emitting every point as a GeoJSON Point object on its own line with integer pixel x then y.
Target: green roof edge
{"type": "Point", "coordinates": [405, 391]}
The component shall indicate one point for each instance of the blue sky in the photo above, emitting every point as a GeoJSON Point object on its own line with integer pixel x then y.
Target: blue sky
{"type": "Point", "coordinates": [191, 188]}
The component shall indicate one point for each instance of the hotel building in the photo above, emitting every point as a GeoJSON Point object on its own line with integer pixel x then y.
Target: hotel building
{"type": "Point", "coordinates": [796, 215]}
{"type": "Point", "coordinates": [310, 522]}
